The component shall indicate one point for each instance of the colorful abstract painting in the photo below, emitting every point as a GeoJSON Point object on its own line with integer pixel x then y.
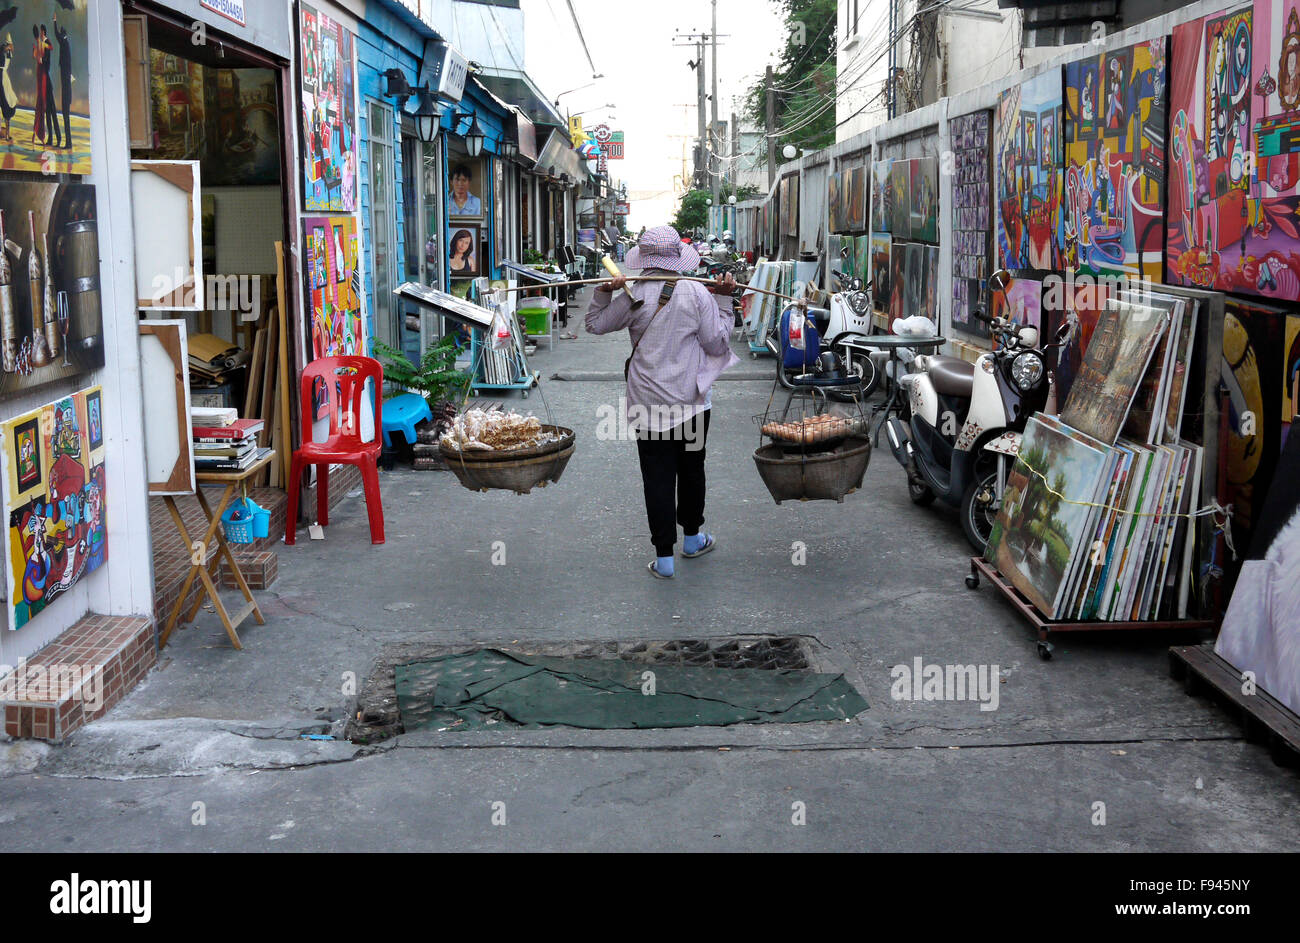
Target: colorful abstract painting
{"type": "Point", "coordinates": [1253, 357]}
{"type": "Point", "coordinates": [970, 224]}
{"type": "Point", "coordinates": [1027, 152]}
{"type": "Point", "coordinates": [54, 496]}
{"type": "Point", "coordinates": [1114, 179]}
{"type": "Point", "coordinates": [328, 114]}
{"type": "Point", "coordinates": [330, 263]}
{"type": "Point", "coordinates": [1234, 185]}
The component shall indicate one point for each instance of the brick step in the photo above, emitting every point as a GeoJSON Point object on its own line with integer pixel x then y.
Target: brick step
{"type": "Point", "coordinates": [78, 677]}
{"type": "Point", "coordinates": [259, 568]}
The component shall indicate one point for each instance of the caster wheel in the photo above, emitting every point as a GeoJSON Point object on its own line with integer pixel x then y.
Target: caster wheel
{"type": "Point", "coordinates": [753, 356]}
{"type": "Point", "coordinates": [525, 394]}
{"type": "Point", "coordinates": [972, 582]}
{"type": "Point", "coordinates": [1045, 651]}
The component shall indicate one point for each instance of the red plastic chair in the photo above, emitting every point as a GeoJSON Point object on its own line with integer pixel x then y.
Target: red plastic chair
{"type": "Point", "coordinates": [344, 394]}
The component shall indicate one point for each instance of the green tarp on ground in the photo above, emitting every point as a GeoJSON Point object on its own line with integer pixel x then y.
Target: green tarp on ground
{"type": "Point", "coordinates": [469, 690]}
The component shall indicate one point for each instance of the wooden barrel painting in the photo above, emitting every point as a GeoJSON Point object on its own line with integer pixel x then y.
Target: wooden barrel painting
{"type": "Point", "coordinates": [80, 251]}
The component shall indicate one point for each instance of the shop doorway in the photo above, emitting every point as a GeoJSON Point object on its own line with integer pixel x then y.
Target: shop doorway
{"type": "Point", "coordinates": [214, 121]}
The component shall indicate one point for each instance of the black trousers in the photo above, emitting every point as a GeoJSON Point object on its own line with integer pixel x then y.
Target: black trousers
{"type": "Point", "coordinates": [672, 473]}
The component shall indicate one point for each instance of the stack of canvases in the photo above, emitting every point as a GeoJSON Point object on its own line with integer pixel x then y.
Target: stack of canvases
{"type": "Point", "coordinates": [1096, 519]}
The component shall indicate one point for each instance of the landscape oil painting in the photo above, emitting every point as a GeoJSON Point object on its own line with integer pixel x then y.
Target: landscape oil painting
{"type": "Point", "coordinates": [1045, 512]}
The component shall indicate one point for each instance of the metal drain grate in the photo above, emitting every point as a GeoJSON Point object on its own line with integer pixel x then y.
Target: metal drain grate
{"type": "Point", "coordinates": [377, 717]}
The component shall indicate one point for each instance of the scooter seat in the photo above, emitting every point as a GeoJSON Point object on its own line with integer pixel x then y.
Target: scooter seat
{"type": "Point", "coordinates": [820, 317]}
{"type": "Point", "coordinates": [951, 376]}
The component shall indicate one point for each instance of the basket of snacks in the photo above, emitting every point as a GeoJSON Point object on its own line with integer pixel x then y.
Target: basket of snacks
{"type": "Point", "coordinates": [820, 457]}
{"type": "Point", "coordinates": [489, 449]}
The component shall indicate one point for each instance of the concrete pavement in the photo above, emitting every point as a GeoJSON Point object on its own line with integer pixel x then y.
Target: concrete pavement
{"type": "Point", "coordinates": [882, 586]}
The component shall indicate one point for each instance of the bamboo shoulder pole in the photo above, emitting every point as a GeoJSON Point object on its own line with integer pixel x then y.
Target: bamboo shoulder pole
{"type": "Point", "coordinates": [649, 278]}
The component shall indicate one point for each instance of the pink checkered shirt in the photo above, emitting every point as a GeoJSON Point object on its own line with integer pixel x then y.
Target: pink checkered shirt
{"type": "Point", "coordinates": [685, 350]}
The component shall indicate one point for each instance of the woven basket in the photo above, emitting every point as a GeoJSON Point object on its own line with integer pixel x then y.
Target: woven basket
{"type": "Point", "coordinates": [517, 470]}
{"type": "Point", "coordinates": [814, 476]}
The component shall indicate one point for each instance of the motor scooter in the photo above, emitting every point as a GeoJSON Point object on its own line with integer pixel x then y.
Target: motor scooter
{"type": "Point", "coordinates": [965, 420]}
{"type": "Point", "coordinates": [826, 329]}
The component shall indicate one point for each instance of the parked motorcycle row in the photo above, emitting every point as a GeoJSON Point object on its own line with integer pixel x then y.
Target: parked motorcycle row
{"type": "Point", "coordinates": [953, 426]}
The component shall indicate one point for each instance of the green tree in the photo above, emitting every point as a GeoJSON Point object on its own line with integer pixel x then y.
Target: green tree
{"type": "Point", "coordinates": [693, 214]}
{"type": "Point", "coordinates": [804, 77]}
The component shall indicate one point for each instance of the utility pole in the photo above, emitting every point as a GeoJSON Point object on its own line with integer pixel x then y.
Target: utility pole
{"type": "Point", "coordinates": [702, 147]}
{"type": "Point", "coordinates": [702, 162]}
{"type": "Point", "coordinates": [713, 126]}
{"type": "Point", "coordinates": [771, 128]}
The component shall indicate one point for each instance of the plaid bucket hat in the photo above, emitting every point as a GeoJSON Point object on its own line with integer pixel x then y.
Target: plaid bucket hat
{"type": "Point", "coordinates": [661, 247]}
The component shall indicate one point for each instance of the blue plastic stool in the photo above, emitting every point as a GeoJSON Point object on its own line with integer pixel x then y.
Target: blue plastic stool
{"type": "Point", "coordinates": [402, 414]}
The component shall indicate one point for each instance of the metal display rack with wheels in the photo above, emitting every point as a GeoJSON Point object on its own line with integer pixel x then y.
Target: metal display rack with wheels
{"type": "Point", "coordinates": [979, 567]}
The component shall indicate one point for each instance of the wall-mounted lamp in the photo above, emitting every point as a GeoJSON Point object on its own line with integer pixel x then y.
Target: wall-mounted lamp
{"type": "Point", "coordinates": [473, 135]}
{"type": "Point", "coordinates": [396, 86]}
{"type": "Point", "coordinates": [428, 116]}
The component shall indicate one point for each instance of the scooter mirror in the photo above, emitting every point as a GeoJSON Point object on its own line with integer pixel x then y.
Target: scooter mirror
{"type": "Point", "coordinates": [844, 252]}
{"type": "Point", "coordinates": [1063, 333]}
{"type": "Point", "coordinates": [1000, 280]}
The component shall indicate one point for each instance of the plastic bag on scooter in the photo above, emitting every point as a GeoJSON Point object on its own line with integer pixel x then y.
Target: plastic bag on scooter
{"type": "Point", "coordinates": [796, 336]}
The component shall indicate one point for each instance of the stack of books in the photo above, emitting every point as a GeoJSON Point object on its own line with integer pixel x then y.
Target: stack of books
{"type": "Point", "coordinates": [223, 441]}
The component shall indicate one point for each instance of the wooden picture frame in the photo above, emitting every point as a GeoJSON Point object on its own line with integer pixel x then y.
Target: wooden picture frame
{"type": "Point", "coordinates": [168, 220]}
{"type": "Point", "coordinates": [165, 377]}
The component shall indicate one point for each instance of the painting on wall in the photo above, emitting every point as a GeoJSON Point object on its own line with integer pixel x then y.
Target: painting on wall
{"type": "Point", "coordinates": [897, 282]}
{"type": "Point", "coordinates": [328, 114]}
{"type": "Point", "coordinates": [924, 205]}
{"type": "Point", "coordinates": [53, 461]}
{"type": "Point", "coordinates": [332, 285]}
{"type": "Point", "coordinates": [242, 146]}
{"type": "Point", "coordinates": [857, 199]}
{"type": "Point", "coordinates": [1028, 175]}
{"type": "Point", "coordinates": [1022, 303]}
{"type": "Point", "coordinates": [834, 210]}
{"type": "Point", "coordinates": [880, 268]}
{"type": "Point", "coordinates": [45, 87]}
{"type": "Point", "coordinates": [1079, 306]}
{"type": "Point", "coordinates": [1253, 356]}
{"type": "Point", "coordinates": [1234, 183]}
{"type": "Point", "coordinates": [881, 212]}
{"type": "Point", "coordinates": [900, 199]}
{"type": "Point", "coordinates": [463, 251]}
{"type": "Point", "coordinates": [1112, 213]}
{"type": "Point", "coordinates": [970, 223]}
{"type": "Point", "coordinates": [51, 321]}
{"type": "Point", "coordinates": [467, 194]}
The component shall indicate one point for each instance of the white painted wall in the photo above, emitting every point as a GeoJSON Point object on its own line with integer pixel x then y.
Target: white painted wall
{"type": "Point", "coordinates": [124, 585]}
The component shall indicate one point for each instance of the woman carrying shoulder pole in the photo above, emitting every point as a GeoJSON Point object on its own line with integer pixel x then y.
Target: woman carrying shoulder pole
{"type": "Point", "coordinates": [680, 346]}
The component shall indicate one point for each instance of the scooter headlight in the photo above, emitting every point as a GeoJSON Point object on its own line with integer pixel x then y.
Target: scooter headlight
{"type": "Point", "coordinates": [1027, 370]}
{"type": "Point", "coordinates": [859, 302]}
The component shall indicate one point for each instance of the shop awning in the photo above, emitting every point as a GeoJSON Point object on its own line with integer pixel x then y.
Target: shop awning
{"type": "Point", "coordinates": [531, 274]}
{"type": "Point", "coordinates": [449, 306]}
{"type": "Point", "coordinates": [559, 157]}
{"type": "Point", "coordinates": [514, 85]}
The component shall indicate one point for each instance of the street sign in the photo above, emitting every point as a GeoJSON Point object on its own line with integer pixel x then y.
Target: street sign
{"type": "Point", "coordinates": [622, 208]}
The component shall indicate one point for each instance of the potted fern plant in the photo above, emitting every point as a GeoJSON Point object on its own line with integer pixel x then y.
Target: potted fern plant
{"type": "Point", "coordinates": [435, 377]}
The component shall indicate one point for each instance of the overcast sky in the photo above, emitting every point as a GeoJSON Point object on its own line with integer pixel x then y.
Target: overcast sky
{"type": "Point", "coordinates": [646, 77]}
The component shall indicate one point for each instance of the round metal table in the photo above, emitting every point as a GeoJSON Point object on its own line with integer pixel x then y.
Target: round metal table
{"type": "Point", "coordinates": [893, 343]}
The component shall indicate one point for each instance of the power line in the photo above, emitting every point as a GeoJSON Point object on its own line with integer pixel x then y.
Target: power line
{"type": "Point", "coordinates": [578, 26]}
